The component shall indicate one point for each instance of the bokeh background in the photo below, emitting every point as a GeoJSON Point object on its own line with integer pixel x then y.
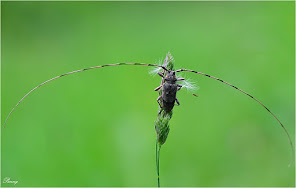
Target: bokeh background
{"type": "Point", "coordinates": [96, 128]}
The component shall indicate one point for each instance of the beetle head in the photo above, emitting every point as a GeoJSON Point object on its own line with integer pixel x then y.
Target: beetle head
{"type": "Point", "coordinates": [171, 77]}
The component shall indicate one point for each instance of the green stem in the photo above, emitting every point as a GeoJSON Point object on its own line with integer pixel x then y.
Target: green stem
{"type": "Point", "coordinates": [162, 123]}
{"type": "Point", "coordinates": [157, 162]}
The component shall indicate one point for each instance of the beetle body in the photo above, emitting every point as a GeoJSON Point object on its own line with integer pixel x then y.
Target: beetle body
{"type": "Point", "coordinates": [169, 91]}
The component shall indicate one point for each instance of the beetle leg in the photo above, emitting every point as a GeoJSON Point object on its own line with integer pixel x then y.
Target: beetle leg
{"type": "Point", "coordinates": [158, 88]}
{"type": "Point", "coordinates": [158, 100]}
{"type": "Point", "coordinates": [179, 86]}
{"type": "Point", "coordinates": [177, 102]}
{"type": "Point", "coordinates": [160, 106]}
{"type": "Point", "coordinates": [180, 79]}
{"type": "Point", "coordinates": [160, 110]}
{"type": "Point", "coordinates": [160, 74]}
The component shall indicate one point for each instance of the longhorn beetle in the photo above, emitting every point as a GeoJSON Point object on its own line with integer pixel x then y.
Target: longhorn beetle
{"type": "Point", "coordinates": [169, 91]}
{"type": "Point", "coordinates": [169, 88]}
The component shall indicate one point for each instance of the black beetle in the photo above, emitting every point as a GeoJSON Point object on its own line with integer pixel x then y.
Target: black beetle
{"type": "Point", "coordinates": [169, 91]}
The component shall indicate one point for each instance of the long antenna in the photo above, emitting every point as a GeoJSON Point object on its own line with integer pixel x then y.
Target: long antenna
{"type": "Point", "coordinates": [290, 140]}
{"type": "Point", "coordinates": [81, 70]}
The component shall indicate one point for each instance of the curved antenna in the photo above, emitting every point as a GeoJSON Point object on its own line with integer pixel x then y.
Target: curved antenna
{"type": "Point", "coordinates": [81, 70]}
{"type": "Point", "coordinates": [290, 140]}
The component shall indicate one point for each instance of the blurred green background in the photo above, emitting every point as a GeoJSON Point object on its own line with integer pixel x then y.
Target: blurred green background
{"type": "Point", "coordinates": [96, 128]}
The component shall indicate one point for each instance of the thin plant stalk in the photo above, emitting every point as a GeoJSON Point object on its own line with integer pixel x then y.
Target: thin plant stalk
{"type": "Point", "coordinates": [157, 163]}
{"type": "Point", "coordinates": [162, 123]}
